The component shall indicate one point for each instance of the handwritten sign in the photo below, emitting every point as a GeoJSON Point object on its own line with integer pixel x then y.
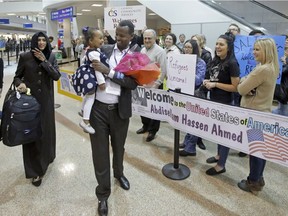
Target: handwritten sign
{"type": "Point", "coordinates": [181, 72]}
{"type": "Point", "coordinates": [243, 49]}
{"type": "Point", "coordinates": [113, 16]}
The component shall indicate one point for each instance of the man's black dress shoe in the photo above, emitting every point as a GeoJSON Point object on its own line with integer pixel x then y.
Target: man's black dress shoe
{"type": "Point", "coordinates": [150, 137]}
{"type": "Point", "coordinates": [141, 131]}
{"type": "Point", "coordinates": [103, 207]}
{"type": "Point", "coordinates": [124, 183]}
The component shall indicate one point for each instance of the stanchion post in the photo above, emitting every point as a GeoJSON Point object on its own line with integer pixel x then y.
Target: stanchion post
{"type": "Point", "coordinates": [176, 141]}
{"type": "Point", "coordinates": [175, 170]}
{"type": "Point", "coordinates": [8, 59]}
{"type": "Point", "coordinates": [78, 61]}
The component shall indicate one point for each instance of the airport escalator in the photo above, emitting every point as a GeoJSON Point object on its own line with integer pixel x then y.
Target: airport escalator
{"type": "Point", "coordinates": [268, 16]}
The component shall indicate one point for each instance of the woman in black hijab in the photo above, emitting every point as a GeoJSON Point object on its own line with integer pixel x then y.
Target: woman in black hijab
{"type": "Point", "coordinates": [37, 70]}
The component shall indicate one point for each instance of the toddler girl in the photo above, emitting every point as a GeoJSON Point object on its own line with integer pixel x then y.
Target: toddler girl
{"type": "Point", "coordinates": [86, 79]}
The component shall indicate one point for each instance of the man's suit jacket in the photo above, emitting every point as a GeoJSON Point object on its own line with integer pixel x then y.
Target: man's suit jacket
{"type": "Point", "coordinates": [127, 84]}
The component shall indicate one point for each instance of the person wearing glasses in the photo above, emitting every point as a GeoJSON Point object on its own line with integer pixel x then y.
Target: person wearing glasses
{"type": "Point", "coordinates": [190, 141]}
{"type": "Point", "coordinates": [234, 29]}
{"type": "Point", "coordinates": [156, 54]}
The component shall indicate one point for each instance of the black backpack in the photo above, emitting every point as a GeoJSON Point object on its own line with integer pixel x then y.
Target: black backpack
{"type": "Point", "coordinates": [20, 122]}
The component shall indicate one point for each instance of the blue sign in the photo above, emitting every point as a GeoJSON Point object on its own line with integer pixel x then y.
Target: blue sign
{"type": "Point", "coordinates": [27, 25]}
{"type": "Point", "coordinates": [4, 21]}
{"type": "Point", "coordinates": [243, 49]}
{"type": "Point", "coordinates": [62, 13]}
{"type": "Point", "coordinates": [2, 43]}
{"type": "Point", "coordinates": [60, 33]}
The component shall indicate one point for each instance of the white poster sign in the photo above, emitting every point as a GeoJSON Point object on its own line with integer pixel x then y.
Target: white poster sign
{"type": "Point", "coordinates": [181, 72]}
{"type": "Point", "coordinates": [114, 15]}
{"type": "Point", "coordinates": [264, 135]}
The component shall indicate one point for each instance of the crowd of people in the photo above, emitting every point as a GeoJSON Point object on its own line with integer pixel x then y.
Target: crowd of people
{"type": "Point", "coordinates": [107, 107]}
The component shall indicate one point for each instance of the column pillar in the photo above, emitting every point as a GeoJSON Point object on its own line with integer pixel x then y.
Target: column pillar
{"type": "Point", "coordinates": [51, 26]}
{"type": "Point", "coordinates": [67, 36]}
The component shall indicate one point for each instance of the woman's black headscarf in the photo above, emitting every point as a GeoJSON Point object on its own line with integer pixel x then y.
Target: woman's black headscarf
{"type": "Point", "coordinates": [34, 44]}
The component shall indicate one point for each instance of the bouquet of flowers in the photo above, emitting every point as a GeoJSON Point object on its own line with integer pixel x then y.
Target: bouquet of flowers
{"type": "Point", "coordinates": [139, 67]}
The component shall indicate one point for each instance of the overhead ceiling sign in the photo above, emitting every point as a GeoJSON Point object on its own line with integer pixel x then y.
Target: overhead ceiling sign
{"type": "Point", "coordinates": [62, 13]}
{"type": "Point", "coordinates": [27, 25]}
{"type": "Point", "coordinates": [136, 14]}
{"type": "Point", "coordinates": [4, 21]}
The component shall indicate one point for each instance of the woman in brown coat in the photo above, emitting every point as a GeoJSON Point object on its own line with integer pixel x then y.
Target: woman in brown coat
{"type": "Point", "coordinates": [37, 70]}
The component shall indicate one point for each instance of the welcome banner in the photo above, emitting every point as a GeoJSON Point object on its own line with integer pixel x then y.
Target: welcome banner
{"type": "Point", "coordinates": [264, 135]}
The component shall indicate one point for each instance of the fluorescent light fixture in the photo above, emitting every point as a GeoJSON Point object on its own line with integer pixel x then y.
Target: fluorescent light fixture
{"type": "Point", "coordinates": [11, 14]}
{"type": "Point", "coordinates": [42, 13]}
{"type": "Point", "coordinates": [79, 14]}
{"type": "Point", "coordinates": [86, 10]}
{"type": "Point", "coordinates": [97, 5]}
{"type": "Point", "coordinates": [152, 14]}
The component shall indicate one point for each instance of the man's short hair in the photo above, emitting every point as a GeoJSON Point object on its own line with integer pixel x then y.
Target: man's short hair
{"type": "Point", "coordinates": [129, 24]}
{"type": "Point", "coordinates": [151, 30]}
{"type": "Point", "coordinates": [238, 28]}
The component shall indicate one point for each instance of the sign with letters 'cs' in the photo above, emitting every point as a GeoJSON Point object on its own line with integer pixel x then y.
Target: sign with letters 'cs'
{"type": "Point", "coordinates": [114, 15]}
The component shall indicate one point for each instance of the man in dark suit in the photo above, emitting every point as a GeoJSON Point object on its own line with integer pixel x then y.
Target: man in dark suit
{"type": "Point", "coordinates": [110, 116]}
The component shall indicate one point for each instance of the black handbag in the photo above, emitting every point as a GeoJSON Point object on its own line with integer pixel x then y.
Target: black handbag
{"type": "Point", "coordinates": [20, 121]}
{"type": "Point", "coordinates": [201, 92]}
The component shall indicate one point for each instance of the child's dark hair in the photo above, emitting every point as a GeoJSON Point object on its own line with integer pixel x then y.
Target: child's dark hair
{"type": "Point", "coordinates": [88, 33]}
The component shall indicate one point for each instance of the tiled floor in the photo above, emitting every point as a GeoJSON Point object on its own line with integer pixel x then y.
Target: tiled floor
{"type": "Point", "coordinates": [69, 185]}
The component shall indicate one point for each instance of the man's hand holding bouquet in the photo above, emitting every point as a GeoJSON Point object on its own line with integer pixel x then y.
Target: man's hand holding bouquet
{"type": "Point", "coordinates": [139, 67]}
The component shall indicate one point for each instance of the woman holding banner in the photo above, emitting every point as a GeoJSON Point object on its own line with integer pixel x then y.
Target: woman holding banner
{"type": "Point", "coordinates": [190, 141]}
{"type": "Point", "coordinates": [257, 91]}
{"type": "Point", "coordinates": [222, 78]}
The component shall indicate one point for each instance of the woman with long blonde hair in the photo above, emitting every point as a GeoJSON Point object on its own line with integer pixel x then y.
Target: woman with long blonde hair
{"type": "Point", "coordinates": [257, 90]}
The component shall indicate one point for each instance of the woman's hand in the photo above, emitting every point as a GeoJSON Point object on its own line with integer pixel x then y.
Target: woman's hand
{"type": "Point", "coordinates": [22, 88]}
{"type": "Point", "coordinates": [38, 54]}
{"type": "Point", "coordinates": [209, 85]}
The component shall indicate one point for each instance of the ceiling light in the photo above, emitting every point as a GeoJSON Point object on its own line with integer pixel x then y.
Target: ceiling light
{"type": "Point", "coordinates": [42, 13]}
{"type": "Point", "coordinates": [152, 14]}
{"type": "Point", "coordinates": [11, 14]}
{"type": "Point", "coordinates": [79, 14]}
{"type": "Point", "coordinates": [96, 5]}
{"type": "Point", "coordinates": [86, 10]}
